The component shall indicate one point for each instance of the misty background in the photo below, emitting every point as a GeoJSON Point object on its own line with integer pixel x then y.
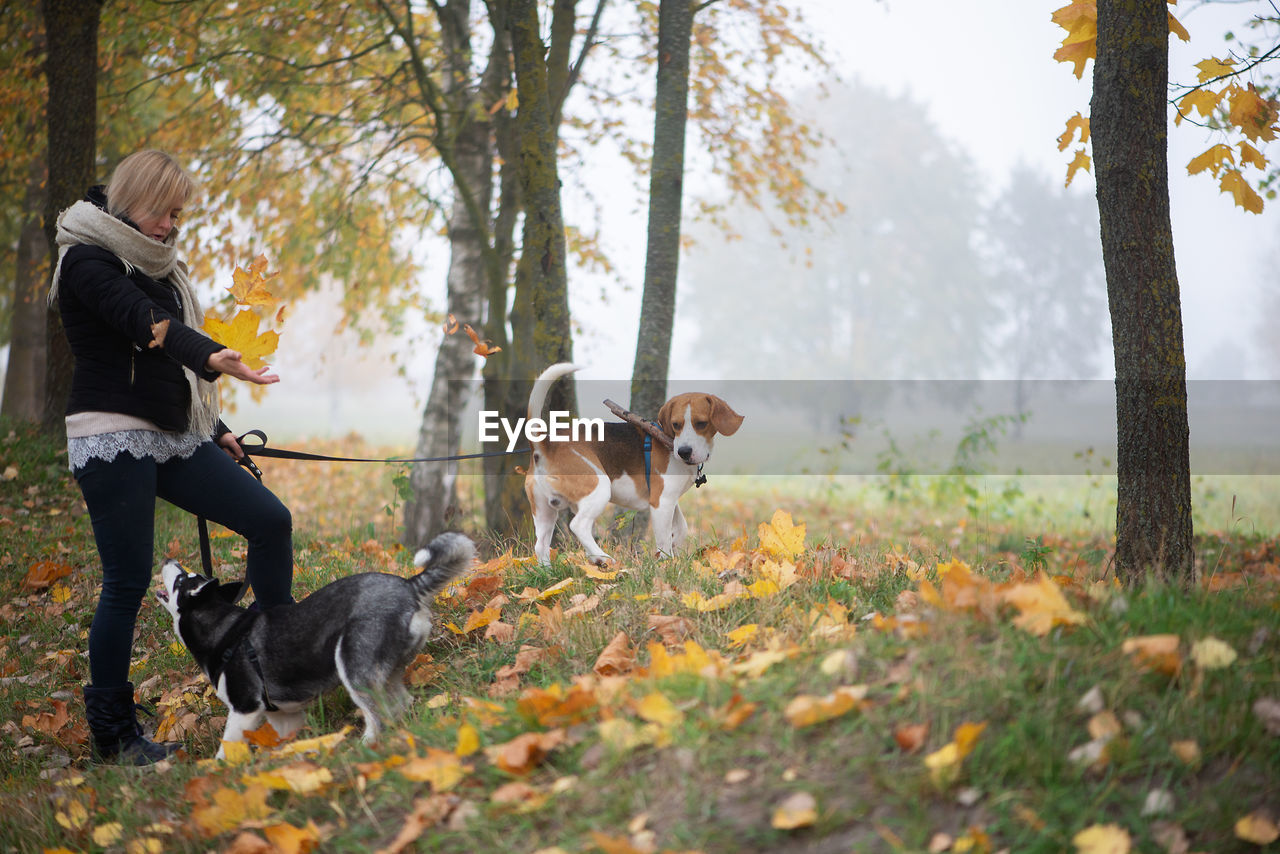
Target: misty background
{"type": "Point", "coordinates": [958, 256]}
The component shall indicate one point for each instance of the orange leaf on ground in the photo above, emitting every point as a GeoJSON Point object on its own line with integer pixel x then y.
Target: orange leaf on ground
{"type": "Point", "coordinates": [43, 573]}
{"type": "Point", "coordinates": [616, 658]}
{"type": "Point", "coordinates": [525, 752]}
{"type": "Point", "coordinates": [911, 737]}
{"type": "Point", "coordinates": [1160, 653]}
{"type": "Point", "coordinates": [427, 812]}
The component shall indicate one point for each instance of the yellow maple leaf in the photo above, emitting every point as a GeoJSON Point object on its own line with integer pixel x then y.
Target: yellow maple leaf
{"type": "Point", "coordinates": [807, 709]}
{"type": "Point", "coordinates": [799, 810]}
{"type": "Point", "coordinates": [1251, 156]}
{"type": "Point", "coordinates": [303, 777]}
{"type": "Point", "coordinates": [289, 839]}
{"type": "Point", "coordinates": [1257, 827]}
{"type": "Point", "coordinates": [441, 768]}
{"type": "Point", "coordinates": [1203, 101]}
{"type": "Point", "coordinates": [230, 809]}
{"type": "Point", "coordinates": [1080, 161]}
{"type": "Point", "coordinates": [1253, 114]}
{"type": "Point", "coordinates": [1213, 68]}
{"type": "Point", "coordinates": [249, 286]}
{"type": "Point", "coordinates": [1212, 654]}
{"type": "Point", "coordinates": [1103, 839]}
{"type": "Point", "coordinates": [1042, 606]}
{"type": "Point", "coordinates": [1241, 191]}
{"type": "Point", "coordinates": [1212, 160]}
{"type": "Point", "coordinates": [1076, 124]}
{"type": "Point", "coordinates": [657, 709]}
{"type": "Point", "coordinates": [241, 334]}
{"type": "Point", "coordinates": [468, 741]}
{"type": "Point", "coordinates": [1176, 28]}
{"type": "Point", "coordinates": [742, 635]}
{"type": "Point", "coordinates": [782, 538]}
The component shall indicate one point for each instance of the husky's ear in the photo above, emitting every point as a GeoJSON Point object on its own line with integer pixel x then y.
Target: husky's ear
{"type": "Point", "coordinates": [232, 592]}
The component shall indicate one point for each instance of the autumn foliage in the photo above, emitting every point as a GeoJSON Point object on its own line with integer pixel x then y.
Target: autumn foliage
{"type": "Point", "coordinates": [1220, 99]}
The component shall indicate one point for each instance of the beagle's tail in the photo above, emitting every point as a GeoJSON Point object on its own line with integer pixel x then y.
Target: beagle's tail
{"type": "Point", "coordinates": [542, 385]}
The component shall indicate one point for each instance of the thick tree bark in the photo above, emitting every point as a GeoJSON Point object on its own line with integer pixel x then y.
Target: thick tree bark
{"type": "Point", "coordinates": [540, 325]}
{"type": "Point", "coordinates": [24, 379]}
{"type": "Point", "coordinates": [1129, 126]}
{"type": "Point", "coordinates": [666, 196]}
{"type": "Point", "coordinates": [71, 27]}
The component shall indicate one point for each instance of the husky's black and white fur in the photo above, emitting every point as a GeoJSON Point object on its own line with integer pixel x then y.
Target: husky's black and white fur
{"type": "Point", "coordinates": [361, 631]}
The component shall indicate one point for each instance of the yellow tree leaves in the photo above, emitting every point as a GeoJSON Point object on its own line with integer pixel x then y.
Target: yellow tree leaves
{"type": "Point", "coordinates": [1232, 107]}
{"type": "Point", "coordinates": [249, 290]}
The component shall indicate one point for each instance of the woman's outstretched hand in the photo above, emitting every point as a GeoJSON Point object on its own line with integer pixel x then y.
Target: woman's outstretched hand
{"type": "Point", "coordinates": [228, 362]}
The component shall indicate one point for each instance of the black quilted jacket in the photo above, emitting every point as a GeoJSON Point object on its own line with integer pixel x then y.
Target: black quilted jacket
{"type": "Point", "coordinates": [107, 315]}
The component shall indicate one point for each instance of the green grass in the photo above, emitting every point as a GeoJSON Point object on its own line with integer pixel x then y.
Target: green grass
{"type": "Point", "coordinates": [698, 786]}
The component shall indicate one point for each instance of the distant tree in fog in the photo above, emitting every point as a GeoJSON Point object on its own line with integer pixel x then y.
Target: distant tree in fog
{"type": "Point", "coordinates": [1045, 260]}
{"type": "Point", "coordinates": [891, 288]}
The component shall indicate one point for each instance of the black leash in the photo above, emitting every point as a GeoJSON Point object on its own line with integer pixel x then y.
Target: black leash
{"type": "Point", "coordinates": [261, 449]}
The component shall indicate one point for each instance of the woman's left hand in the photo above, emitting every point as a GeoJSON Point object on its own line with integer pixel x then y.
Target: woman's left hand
{"type": "Point", "coordinates": [231, 446]}
{"type": "Point", "coordinates": [228, 362]}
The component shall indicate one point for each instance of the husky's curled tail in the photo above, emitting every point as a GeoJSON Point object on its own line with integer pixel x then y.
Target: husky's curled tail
{"type": "Point", "coordinates": [441, 560]}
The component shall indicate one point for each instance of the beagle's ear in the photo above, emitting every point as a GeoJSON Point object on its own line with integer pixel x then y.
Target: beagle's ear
{"type": "Point", "coordinates": [723, 418]}
{"type": "Point", "coordinates": [664, 417]}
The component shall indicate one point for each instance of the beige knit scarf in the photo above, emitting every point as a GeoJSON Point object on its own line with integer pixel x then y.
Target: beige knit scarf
{"type": "Point", "coordinates": [86, 223]}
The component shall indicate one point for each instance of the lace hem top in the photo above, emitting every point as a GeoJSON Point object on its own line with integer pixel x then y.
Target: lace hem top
{"type": "Point", "coordinates": [104, 436]}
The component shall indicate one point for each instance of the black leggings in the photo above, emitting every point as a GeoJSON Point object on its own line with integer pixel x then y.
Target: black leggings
{"type": "Point", "coordinates": [121, 497]}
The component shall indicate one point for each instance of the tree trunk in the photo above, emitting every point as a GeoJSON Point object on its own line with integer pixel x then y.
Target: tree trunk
{"type": "Point", "coordinates": [24, 379]}
{"type": "Point", "coordinates": [666, 194]}
{"type": "Point", "coordinates": [71, 27]}
{"type": "Point", "coordinates": [540, 326]}
{"type": "Point", "coordinates": [434, 485]}
{"type": "Point", "coordinates": [1153, 515]}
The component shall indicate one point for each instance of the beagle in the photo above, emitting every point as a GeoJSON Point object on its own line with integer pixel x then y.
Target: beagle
{"type": "Point", "coordinates": [586, 475]}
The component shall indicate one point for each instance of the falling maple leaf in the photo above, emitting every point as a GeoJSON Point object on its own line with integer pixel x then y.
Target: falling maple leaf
{"type": "Point", "coordinates": [450, 324]}
{"type": "Point", "coordinates": [241, 334]}
{"type": "Point", "coordinates": [484, 348]}
{"type": "Point", "coordinates": [158, 332]}
{"type": "Point", "coordinates": [249, 285]}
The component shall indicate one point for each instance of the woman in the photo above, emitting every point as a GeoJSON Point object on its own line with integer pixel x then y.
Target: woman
{"type": "Point", "coordinates": [142, 421]}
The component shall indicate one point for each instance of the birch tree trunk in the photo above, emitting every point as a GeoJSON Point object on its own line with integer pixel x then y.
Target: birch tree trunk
{"type": "Point", "coordinates": [24, 378]}
{"type": "Point", "coordinates": [433, 504]}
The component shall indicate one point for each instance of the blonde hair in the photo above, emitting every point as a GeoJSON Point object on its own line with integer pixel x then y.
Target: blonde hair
{"type": "Point", "coordinates": [148, 182]}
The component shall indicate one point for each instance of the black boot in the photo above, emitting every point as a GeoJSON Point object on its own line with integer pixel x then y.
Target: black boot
{"type": "Point", "coordinates": [117, 736]}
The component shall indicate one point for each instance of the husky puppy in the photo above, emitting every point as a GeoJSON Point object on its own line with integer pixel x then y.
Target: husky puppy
{"type": "Point", "coordinates": [361, 631]}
